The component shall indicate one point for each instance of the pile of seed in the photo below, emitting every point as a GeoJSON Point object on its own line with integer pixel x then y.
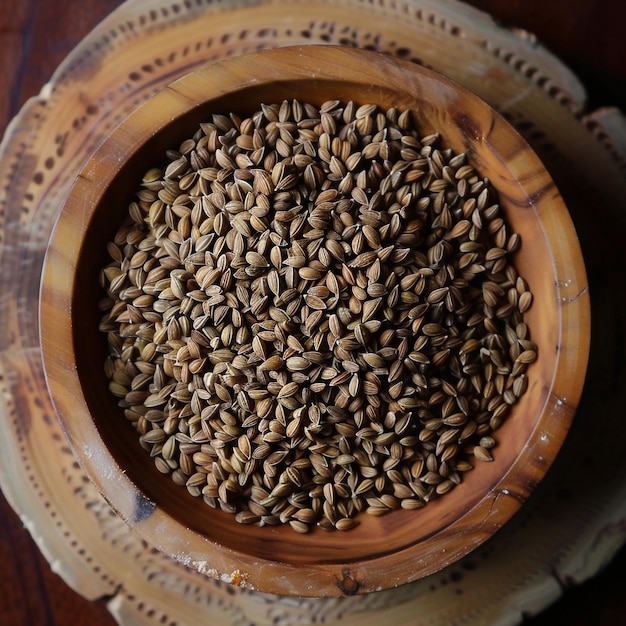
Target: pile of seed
{"type": "Point", "coordinates": [313, 312]}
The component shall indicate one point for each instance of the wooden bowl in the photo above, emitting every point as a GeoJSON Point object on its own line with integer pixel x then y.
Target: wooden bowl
{"type": "Point", "coordinates": [381, 552]}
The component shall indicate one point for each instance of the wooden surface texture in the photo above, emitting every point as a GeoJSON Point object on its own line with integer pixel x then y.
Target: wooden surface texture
{"type": "Point", "coordinates": [35, 36]}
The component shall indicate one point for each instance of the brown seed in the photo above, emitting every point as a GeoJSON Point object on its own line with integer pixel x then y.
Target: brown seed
{"type": "Point", "coordinates": [310, 273]}
{"type": "Point", "coordinates": [273, 363]}
{"type": "Point", "coordinates": [346, 523]}
{"type": "Point", "coordinates": [288, 390]}
{"type": "Point", "coordinates": [297, 363]}
{"type": "Point", "coordinates": [314, 302]}
{"type": "Point", "coordinates": [482, 454]}
{"type": "Point", "coordinates": [527, 356]}
{"type": "Point", "coordinates": [525, 301]}
{"type": "Point", "coordinates": [299, 526]}
{"type": "Point", "coordinates": [271, 300]}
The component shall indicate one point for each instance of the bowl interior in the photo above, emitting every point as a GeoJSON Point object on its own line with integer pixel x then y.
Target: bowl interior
{"type": "Point", "coordinates": [382, 551]}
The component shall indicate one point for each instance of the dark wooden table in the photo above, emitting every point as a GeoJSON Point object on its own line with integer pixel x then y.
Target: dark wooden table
{"type": "Point", "coordinates": [35, 36]}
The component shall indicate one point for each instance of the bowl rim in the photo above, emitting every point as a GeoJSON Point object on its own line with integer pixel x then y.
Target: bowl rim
{"type": "Point", "coordinates": [144, 516]}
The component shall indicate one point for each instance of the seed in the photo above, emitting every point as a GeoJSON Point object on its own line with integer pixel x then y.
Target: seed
{"type": "Point", "coordinates": [297, 363]}
{"type": "Point", "coordinates": [520, 385]}
{"type": "Point", "coordinates": [370, 308]}
{"type": "Point", "coordinates": [527, 356]}
{"type": "Point", "coordinates": [313, 312]}
{"type": "Point", "coordinates": [482, 454]}
{"type": "Point", "coordinates": [373, 359]}
{"type": "Point", "coordinates": [524, 302]}
{"type": "Point", "coordinates": [314, 302]}
{"type": "Point", "coordinates": [310, 273]}
{"type": "Point", "coordinates": [411, 504]}
{"type": "Point", "coordinates": [288, 390]}
{"type": "Point", "coordinates": [298, 526]}
{"type": "Point", "coordinates": [273, 363]}
{"type": "Point", "coordinates": [247, 517]}
{"type": "Point", "coordinates": [346, 523]}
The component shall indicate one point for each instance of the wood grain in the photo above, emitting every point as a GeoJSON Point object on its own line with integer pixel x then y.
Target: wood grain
{"type": "Point", "coordinates": [381, 552]}
{"type": "Point", "coordinates": [35, 36]}
{"type": "Point", "coordinates": [33, 43]}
